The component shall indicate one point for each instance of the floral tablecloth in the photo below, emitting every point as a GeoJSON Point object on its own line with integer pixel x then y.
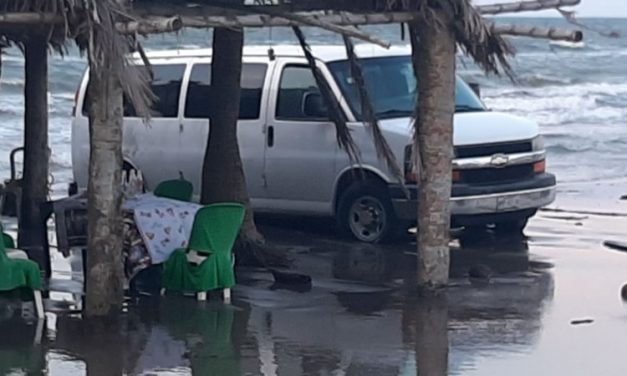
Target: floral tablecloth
{"type": "Point", "coordinates": [164, 225]}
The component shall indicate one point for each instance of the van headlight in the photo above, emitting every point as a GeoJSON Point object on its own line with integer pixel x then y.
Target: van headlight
{"type": "Point", "coordinates": [537, 143]}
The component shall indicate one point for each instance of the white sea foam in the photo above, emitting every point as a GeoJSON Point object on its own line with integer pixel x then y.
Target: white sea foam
{"type": "Point", "coordinates": [567, 44]}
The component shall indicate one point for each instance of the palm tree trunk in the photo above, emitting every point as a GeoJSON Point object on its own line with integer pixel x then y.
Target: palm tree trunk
{"type": "Point", "coordinates": [434, 62]}
{"type": "Point", "coordinates": [32, 229]}
{"type": "Point", "coordinates": [223, 177]}
{"type": "Point", "coordinates": [104, 274]}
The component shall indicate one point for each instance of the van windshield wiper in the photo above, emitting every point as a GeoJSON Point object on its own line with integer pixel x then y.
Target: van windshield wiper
{"type": "Point", "coordinates": [467, 108]}
{"type": "Point", "coordinates": [393, 113]}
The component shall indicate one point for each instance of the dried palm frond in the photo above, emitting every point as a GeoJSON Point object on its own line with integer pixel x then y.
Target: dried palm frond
{"type": "Point", "coordinates": [344, 137]}
{"type": "Point", "coordinates": [103, 40]}
{"type": "Point", "coordinates": [571, 17]}
{"type": "Point", "coordinates": [416, 156]}
{"type": "Point", "coordinates": [91, 23]}
{"type": "Point", "coordinates": [488, 49]}
{"type": "Point", "coordinates": [368, 113]}
{"type": "Point", "coordinates": [57, 34]}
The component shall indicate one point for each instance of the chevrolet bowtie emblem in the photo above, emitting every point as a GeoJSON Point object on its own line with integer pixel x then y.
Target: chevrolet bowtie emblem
{"type": "Point", "coordinates": [499, 160]}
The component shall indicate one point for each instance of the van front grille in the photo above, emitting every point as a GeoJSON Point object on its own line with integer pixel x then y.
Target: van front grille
{"type": "Point", "coordinates": [485, 176]}
{"type": "Point", "coordinates": [472, 151]}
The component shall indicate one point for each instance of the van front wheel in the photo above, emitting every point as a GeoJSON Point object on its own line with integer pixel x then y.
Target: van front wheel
{"type": "Point", "coordinates": [365, 212]}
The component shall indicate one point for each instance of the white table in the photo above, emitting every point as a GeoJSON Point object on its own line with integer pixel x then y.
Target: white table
{"type": "Point", "coordinates": [164, 224]}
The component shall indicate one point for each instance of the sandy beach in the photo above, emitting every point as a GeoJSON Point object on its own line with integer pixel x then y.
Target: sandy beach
{"type": "Point", "coordinates": [551, 306]}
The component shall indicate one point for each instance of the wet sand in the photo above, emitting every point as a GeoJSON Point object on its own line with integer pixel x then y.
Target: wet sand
{"type": "Point", "coordinates": [552, 306]}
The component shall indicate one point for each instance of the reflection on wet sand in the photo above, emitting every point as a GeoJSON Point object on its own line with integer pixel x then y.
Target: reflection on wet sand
{"type": "Point", "coordinates": [360, 317]}
{"type": "Point", "coordinates": [430, 329]}
{"type": "Point", "coordinates": [21, 348]}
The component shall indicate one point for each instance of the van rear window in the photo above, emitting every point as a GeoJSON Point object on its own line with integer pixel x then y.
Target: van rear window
{"type": "Point", "coordinates": [199, 105]}
{"type": "Point", "coordinates": [166, 86]}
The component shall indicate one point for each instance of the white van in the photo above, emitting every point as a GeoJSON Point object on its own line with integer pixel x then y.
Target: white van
{"type": "Point", "coordinates": [291, 159]}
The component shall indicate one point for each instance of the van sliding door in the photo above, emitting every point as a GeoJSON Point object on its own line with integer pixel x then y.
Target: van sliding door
{"type": "Point", "coordinates": [195, 126]}
{"type": "Point", "coordinates": [149, 144]}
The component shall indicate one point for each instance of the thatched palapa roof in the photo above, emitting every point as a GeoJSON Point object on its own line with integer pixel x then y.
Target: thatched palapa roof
{"type": "Point", "coordinates": [61, 20]}
{"type": "Point", "coordinates": [114, 24]}
{"type": "Point", "coordinates": [23, 19]}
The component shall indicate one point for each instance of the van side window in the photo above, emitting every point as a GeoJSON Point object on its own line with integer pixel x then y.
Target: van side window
{"type": "Point", "coordinates": [166, 87]}
{"type": "Point", "coordinates": [198, 104]}
{"type": "Point", "coordinates": [299, 97]}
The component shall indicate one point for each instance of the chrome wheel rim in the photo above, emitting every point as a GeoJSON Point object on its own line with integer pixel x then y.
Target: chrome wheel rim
{"type": "Point", "coordinates": [367, 219]}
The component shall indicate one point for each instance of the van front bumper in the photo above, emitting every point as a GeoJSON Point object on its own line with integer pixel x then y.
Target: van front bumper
{"type": "Point", "coordinates": [484, 201]}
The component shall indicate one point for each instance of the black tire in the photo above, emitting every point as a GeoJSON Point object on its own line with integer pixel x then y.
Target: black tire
{"type": "Point", "coordinates": [515, 227]}
{"type": "Point", "coordinates": [380, 222]}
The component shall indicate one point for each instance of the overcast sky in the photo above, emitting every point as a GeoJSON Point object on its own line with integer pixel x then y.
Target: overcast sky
{"type": "Point", "coordinates": [587, 8]}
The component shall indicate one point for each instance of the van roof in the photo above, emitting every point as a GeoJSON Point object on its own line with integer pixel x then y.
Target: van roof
{"type": "Point", "coordinates": [322, 52]}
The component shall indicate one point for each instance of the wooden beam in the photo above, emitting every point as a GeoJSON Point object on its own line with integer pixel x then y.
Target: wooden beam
{"type": "Point", "coordinates": [308, 20]}
{"type": "Point", "coordinates": [30, 18]}
{"type": "Point", "coordinates": [32, 232]}
{"type": "Point", "coordinates": [157, 22]}
{"type": "Point", "coordinates": [361, 6]}
{"type": "Point", "coordinates": [215, 12]}
{"type": "Point", "coordinates": [538, 32]}
{"type": "Point", "coordinates": [343, 30]}
{"type": "Point", "coordinates": [258, 21]}
{"type": "Point", "coordinates": [524, 6]}
{"type": "Point", "coordinates": [150, 26]}
{"type": "Point", "coordinates": [433, 55]}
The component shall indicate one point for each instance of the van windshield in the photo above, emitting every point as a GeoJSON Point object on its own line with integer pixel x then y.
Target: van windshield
{"type": "Point", "coordinates": [392, 87]}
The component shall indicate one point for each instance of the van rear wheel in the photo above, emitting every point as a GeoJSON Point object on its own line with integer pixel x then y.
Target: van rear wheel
{"type": "Point", "coordinates": [365, 212]}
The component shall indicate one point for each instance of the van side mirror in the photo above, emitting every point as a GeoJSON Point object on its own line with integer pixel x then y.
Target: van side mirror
{"type": "Point", "coordinates": [313, 106]}
{"type": "Point", "coordinates": [476, 88]}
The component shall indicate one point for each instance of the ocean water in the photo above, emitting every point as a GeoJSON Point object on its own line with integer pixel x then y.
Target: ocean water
{"type": "Point", "coordinates": [577, 95]}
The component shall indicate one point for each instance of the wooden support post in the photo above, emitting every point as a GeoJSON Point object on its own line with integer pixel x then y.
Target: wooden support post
{"type": "Point", "coordinates": [222, 159]}
{"type": "Point", "coordinates": [434, 64]}
{"type": "Point", "coordinates": [222, 156]}
{"type": "Point", "coordinates": [32, 231]}
{"type": "Point", "coordinates": [104, 277]}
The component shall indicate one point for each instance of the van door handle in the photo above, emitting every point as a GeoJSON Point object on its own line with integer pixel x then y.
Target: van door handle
{"type": "Point", "coordinates": [270, 136]}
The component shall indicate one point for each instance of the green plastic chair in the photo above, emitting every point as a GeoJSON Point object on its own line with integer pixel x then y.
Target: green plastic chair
{"type": "Point", "coordinates": [177, 189]}
{"type": "Point", "coordinates": [8, 241]}
{"type": "Point", "coordinates": [10, 248]}
{"type": "Point", "coordinates": [206, 264]}
{"type": "Point", "coordinates": [18, 273]}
